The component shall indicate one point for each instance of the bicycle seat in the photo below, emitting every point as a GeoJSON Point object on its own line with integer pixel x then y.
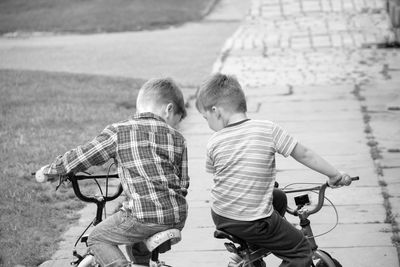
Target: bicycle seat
{"type": "Point", "coordinates": [163, 240]}
{"type": "Point", "coordinates": [221, 235]}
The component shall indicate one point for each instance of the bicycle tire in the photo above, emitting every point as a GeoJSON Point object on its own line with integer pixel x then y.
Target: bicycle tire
{"type": "Point", "coordinates": [323, 259]}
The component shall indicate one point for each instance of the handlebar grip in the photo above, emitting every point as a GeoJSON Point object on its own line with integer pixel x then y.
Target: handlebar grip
{"type": "Point", "coordinates": [39, 175]}
{"type": "Point", "coordinates": [354, 178]}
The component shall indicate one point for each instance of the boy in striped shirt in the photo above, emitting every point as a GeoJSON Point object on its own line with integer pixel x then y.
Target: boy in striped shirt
{"type": "Point", "coordinates": [241, 157]}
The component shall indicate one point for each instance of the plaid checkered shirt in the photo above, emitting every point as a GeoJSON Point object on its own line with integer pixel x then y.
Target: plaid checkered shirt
{"type": "Point", "coordinates": [152, 165]}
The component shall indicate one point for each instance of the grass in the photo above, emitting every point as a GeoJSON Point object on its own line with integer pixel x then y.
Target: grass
{"type": "Point", "coordinates": [90, 16]}
{"type": "Point", "coordinates": [44, 115]}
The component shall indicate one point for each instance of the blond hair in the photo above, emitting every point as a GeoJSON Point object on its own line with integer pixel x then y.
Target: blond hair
{"type": "Point", "coordinates": [221, 90]}
{"type": "Point", "coordinates": [162, 91]}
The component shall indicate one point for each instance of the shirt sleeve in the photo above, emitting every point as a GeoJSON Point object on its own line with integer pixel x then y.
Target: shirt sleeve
{"type": "Point", "coordinates": [284, 143]}
{"type": "Point", "coordinates": [96, 152]}
{"type": "Point", "coordinates": [209, 163]}
{"type": "Point", "coordinates": [184, 169]}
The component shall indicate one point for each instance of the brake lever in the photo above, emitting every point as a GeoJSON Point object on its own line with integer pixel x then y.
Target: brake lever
{"type": "Point", "coordinates": [62, 179]}
{"type": "Point", "coordinates": [59, 183]}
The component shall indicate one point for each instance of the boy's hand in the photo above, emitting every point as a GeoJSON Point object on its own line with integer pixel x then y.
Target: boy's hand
{"type": "Point", "coordinates": [339, 180]}
{"type": "Point", "coordinates": [40, 176]}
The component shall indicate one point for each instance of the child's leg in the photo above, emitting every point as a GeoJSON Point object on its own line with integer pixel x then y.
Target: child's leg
{"type": "Point", "coordinates": [138, 253]}
{"type": "Point", "coordinates": [120, 229]}
{"type": "Point", "coordinates": [104, 240]}
{"type": "Point", "coordinates": [273, 233]}
{"type": "Point", "coordinates": [279, 201]}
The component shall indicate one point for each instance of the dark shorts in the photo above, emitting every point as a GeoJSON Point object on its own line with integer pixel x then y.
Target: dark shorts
{"type": "Point", "coordinates": [273, 233]}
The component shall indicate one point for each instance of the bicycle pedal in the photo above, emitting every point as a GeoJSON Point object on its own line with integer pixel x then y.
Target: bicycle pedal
{"type": "Point", "coordinates": [231, 248]}
{"type": "Point", "coordinates": [233, 264]}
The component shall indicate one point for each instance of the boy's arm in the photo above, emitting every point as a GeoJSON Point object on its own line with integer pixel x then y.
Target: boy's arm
{"type": "Point", "coordinates": [184, 172]}
{"type": "Point", "coordinates": [93, 153]}
{"type": "Point", "coordinates": [315, 162]}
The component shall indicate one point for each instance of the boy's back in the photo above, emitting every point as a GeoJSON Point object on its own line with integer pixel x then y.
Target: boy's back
{"type": "Point", "coordinates": [152, 157]}
{"type": "Point", "coordinates": [242, 158]}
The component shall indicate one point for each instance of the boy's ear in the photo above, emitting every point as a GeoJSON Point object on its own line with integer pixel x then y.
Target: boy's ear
{"type": "Point", "coordinates": [169, 108]}
{"type": "Point", "coordinates": [216, 110]}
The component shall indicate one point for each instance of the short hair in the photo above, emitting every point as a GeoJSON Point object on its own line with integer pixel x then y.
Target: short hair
{"type": "Point", "coordinates": [163, 91]}
{"type": "Point", "coordinates": [221, 90]}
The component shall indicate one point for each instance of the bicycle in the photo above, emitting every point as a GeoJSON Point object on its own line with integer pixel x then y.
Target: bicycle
{"type": "Point", "coordinates": [243, 256]}
{"type": "Point", "coordinates": [156, 244]}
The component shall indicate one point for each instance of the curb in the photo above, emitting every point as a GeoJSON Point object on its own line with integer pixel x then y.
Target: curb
{"type": "Point", "coordinates": [207, 10]}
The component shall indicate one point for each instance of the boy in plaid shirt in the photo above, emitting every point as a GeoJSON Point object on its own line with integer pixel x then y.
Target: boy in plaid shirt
{"type": "Point", "coordinates": [151, 158]}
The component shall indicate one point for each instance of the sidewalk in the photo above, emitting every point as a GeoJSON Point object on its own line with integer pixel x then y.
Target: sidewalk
{"type": "Point", "coordinates": [185, 53]}
{"type": "Point", "coordinates": [312, 66]}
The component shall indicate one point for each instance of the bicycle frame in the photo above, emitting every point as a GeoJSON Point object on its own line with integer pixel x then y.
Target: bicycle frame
{"type": "Point", "coordinates": [156, 244]}
{"type": "Point", "coordinates": [247, 257]}
{"type": "Point", "coordinates": [303, 214]}
{"type": "Point", "coordinates": [100, 202]}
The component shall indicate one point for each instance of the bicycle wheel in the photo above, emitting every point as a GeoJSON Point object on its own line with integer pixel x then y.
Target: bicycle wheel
{"type": "Point", "coordinates": [323, 259]}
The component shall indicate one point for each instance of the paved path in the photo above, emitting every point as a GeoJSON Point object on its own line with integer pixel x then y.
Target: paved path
{"type": "Point", "coordinates": [310, 65]}
{"type": "Point", "coordinates": [313, 67]}
{"type": "Point", "coordinates": [185, 53]}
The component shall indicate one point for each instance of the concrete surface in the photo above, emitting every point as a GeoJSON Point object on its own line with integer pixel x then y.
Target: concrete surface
{"type": "Point", "coordinates": [185, 53]}
{"type": "Point", "coordinates": [310, 65]}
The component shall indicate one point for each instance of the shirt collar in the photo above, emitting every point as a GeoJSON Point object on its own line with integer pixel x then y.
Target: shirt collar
{"type": "Point", "coordinates": [236, 123]}
{"type": "Point", "coordinates": [148, 115]}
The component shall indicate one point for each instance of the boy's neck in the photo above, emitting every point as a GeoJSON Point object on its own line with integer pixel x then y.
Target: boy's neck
{"type": "Point", "coordinates": [150, 108]}
{"type": "Point", "coordinates": [234, 118]}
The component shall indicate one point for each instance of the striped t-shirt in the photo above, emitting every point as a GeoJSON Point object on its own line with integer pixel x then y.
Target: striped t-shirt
{"type": "Point", "coordinates": [242, 159]}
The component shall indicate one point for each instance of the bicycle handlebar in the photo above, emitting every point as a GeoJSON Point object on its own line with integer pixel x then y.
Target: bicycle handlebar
{"type": "Point", "coordinates": [75, 185]}
{"type": "Point", "coordinates": [321, 197]}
